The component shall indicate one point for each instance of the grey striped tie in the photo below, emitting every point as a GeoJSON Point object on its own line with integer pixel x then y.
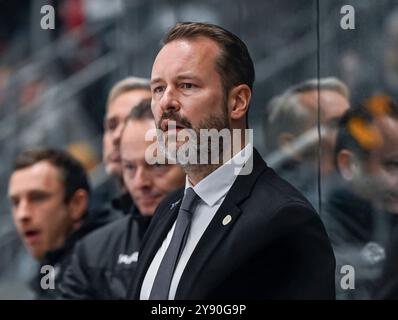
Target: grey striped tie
{"type": "Point", "coordinates": [161, 284]}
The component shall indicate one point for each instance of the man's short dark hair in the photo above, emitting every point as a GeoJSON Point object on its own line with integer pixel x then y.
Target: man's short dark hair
{"type": "Point", "coordinates": [354, 126]}
{"type": "Point", "coordinates": [234, 64]}
{"type": "Point", "coordinates": [71, 170]}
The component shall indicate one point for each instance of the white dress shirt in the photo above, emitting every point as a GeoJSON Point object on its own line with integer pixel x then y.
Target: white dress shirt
{"type": "Point", "coordinates": [212, 191]}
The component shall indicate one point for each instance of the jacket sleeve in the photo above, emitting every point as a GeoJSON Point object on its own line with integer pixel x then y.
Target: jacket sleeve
{"type": "Point", "coordinates": [76, 281]}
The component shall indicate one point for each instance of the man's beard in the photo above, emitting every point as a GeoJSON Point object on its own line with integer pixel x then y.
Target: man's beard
{"type": "Point", "coordinates": [197, 138]}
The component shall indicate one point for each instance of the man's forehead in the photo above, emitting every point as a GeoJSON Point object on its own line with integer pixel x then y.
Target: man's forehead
{"type": "Point", "coordinates": [180, 51]}
{"type": "Point", "coordinates": [333, 104]}
{"type": "Point", "coordinates": [135, 152]}
{"type": "Point", "coordinates": [327, 96]}
{"type": "Point", "coordinates": [187, 43]}
{"type": "Point", "coordinates": [138, 129]}
{"type": "Point", "coordinates": [40, 176]}
{"type": "Point", "coordinates": [138, 134]}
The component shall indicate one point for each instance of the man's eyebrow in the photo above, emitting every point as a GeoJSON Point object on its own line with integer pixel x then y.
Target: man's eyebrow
{"type": "Point", "coordinates": [39, 192]}
{"type": "Point", "coordinates": [156, 80]}
{"type": "Point", "coordinates": [178, 77]}
{"type": "Point", "coordinates": [186, 76]}
{"type": "Point", "coordinates": [109, 118]}
{"type": "Point", "coordinates": [12, 196]}
{"type": "Point", "coordinates": [128, 161]}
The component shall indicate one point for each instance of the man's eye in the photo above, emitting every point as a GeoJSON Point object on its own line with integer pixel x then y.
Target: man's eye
{"type": "Point", "coordinates": [110, 125]}
{"type": "Point", "coordinates": [159, 168]}
{"type": "Point", "coordinates": [158, 89]}
{"type": "Point", "coordinates": [14, 202]}
{"type": "Point", "coordinates": [187, 85]}
{"type": "Point", "coordinates": [129, 167]}
{"type": "Point", "coordinates": [38, 196]}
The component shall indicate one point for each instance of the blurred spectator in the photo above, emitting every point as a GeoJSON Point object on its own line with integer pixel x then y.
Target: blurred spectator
{"type": "Point", "coordinates": [49, 193]}
{"type": "Point", "coordinates": [104, 263]}
{"type": "Point", "coordinates": [291, 133]}
{"type": "Point", "coordinates": [123, 96]}
{"type": "Point", "coordinates": [362, 209]}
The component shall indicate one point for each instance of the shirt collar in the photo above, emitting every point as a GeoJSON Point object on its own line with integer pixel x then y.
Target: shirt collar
{"type": "Point", "coordinates": [216, 185]}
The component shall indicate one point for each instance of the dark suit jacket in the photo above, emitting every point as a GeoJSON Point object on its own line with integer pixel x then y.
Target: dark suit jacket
{"type": "Point", "coordinates": [275, 246]}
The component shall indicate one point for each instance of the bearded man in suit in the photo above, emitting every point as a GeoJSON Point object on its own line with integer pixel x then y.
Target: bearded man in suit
{"type": "Point", "coordinates": [237, 230]}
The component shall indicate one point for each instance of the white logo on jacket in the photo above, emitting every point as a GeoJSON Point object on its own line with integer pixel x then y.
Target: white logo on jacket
{"type": "Point", "coordinates": [128, 259]}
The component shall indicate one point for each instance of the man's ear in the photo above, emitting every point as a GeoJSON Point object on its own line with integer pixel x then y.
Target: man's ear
{"type": "Point", "coordinates": [347, 164]}
{"type": "Point", "coordinates": [78, 204]}
{"type": "Point", "coordinates": [238, 101]}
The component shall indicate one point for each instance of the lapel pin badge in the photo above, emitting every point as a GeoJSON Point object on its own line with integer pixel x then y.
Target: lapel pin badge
{"type": "Point", "coordinates": [227, 219]}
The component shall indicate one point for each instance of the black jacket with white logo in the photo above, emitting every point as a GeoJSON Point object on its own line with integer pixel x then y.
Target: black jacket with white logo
{"type": "Point", "coordinates": [104, 262]}
{"type": "Point", "coordinates": [58, 260]}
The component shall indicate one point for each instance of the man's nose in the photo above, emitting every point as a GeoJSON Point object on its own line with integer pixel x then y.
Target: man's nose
{"type": "Point", "coordinates": [23, 212]}
{"type": "Point", "coordinates": [142, 178]}
{"type": "Point", "coordinates": [117, 133]}
{"type": "Point", "coordinates": [169, 100]}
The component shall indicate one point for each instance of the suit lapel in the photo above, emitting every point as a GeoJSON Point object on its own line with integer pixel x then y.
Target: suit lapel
{"type": "Point", "coordinates": [219, 227]}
